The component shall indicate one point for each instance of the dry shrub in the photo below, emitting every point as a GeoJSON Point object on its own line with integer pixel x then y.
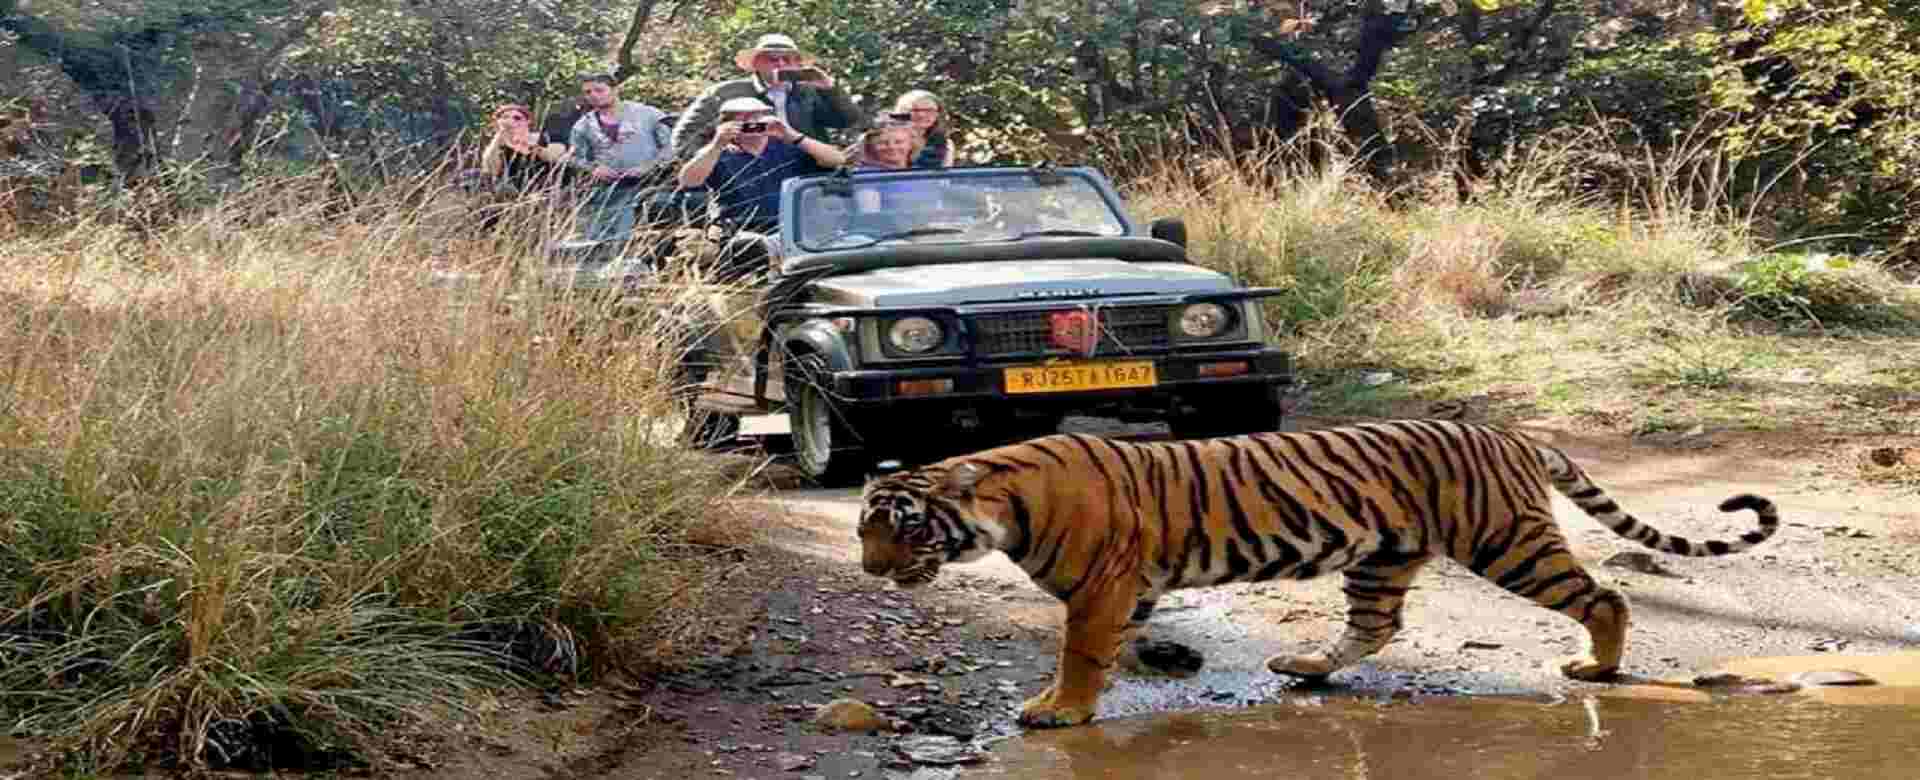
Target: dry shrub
{"type": "Point", "coordinates": [265, 480]}
{"type": "Point", "coordinates": [1457, 265]}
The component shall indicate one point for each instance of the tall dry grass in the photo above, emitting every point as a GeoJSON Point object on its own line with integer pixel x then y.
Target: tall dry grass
{"type": "Point", "coordinates": [266, 486]}
{"type": "Point", "coordinates": [1572, 222]}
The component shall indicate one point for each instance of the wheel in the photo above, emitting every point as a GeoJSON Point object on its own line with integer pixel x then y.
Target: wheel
{"type": "Point", "coordinates": [1229, 411]}
{"type": "Point", "coordinates": [704, 429]}
{"type": "Point", "coordinates": [827, 448]}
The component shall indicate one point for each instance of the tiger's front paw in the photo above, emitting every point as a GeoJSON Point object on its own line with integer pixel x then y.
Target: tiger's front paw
{"type": "Point", "coordinates": [1312, 665]}
{"type": "Point", "coordinates": [1044, 712]}
{"type": "Point", "coordinates": [1586, 669]}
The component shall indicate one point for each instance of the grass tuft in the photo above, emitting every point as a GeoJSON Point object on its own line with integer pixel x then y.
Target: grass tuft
{"type": "Point", "coordinates": [1626, 287]}
{"type": "Point", "coordinates": [272, 493]}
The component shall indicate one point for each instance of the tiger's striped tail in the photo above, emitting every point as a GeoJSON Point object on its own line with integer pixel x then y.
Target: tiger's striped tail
{"type": "Point", "coordinates": [1573, 483]}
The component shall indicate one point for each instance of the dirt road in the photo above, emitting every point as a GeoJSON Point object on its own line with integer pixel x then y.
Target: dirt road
{"type": "Point", "coordinates": [956, 658]}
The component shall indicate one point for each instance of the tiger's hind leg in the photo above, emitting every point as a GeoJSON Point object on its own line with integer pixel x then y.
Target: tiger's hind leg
{"type": "Point", "coordinates": [1376, 592]}
{"type": "Point", "coordinates": [1543, 571]}
{"type": "Point", "coordinates": [1146, 656]}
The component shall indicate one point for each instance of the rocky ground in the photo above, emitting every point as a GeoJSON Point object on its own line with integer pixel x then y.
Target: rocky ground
{"type": "Point", "coordinates": [844, 676]}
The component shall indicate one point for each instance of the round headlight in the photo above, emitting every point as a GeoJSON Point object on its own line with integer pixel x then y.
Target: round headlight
{"type": "Point", "coordinates": [1203, 320]}
{"type": "Point", "coordinates": [915, 334]}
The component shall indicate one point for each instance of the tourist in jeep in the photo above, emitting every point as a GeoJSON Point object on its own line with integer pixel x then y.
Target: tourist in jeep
{"type": "Point", "coordinates": [751, 153]}
{"type": "Point", "coordinates": [889, 147]}
{"type": "Point", "coordinates": [933, 144]}
{"type": "Point", "coordinates": [802, 94]}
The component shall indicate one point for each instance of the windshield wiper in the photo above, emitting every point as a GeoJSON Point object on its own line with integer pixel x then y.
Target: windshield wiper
{"type": "Point", "coordinates": [1058, 232]}
{"type": "Point", "coordinates": [914, 233]}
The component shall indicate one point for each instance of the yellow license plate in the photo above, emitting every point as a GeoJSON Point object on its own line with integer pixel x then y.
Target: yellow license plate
{"type": "Point", "coordinates": [1068, 377]}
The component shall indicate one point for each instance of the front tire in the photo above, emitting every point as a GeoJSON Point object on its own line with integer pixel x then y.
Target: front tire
{"type": "Point", "coordinates": [827, 447]}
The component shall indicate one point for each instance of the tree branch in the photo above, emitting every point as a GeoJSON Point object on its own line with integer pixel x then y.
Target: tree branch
{"type": "Point", "coordinates": [1287, 53]}
{"type": "Point", "coordinates": [624, 67]}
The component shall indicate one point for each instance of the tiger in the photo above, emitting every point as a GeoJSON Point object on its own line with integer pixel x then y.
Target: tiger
{"type": "Point", "coordinates": [1108, 526]}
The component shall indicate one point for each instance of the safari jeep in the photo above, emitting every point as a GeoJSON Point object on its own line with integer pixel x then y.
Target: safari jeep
{"type": "Point", "coordinates": [922, 313]}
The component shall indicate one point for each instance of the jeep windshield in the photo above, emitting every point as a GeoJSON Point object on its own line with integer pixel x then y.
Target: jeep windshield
{"type": "Point", "coordinates": [946, 206]}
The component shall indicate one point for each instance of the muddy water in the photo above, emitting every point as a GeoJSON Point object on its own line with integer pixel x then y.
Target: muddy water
{"type": "Point", "coordinates": [1772, 737]}
{"type": "Point", "coordinates": [1651, 731]}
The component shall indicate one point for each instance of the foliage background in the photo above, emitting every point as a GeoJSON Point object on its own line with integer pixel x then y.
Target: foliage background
{"type": "Point", "coordinates": [1814, 99]}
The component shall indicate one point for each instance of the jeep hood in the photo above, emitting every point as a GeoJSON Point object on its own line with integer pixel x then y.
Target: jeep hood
{"type": "Point", "coordinates": [1001, 281]}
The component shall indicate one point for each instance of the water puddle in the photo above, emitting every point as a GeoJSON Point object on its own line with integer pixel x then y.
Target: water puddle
{"type": "Point", "coordinates": [1648, 731]}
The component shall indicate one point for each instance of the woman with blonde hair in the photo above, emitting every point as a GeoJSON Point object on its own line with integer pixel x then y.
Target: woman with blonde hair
{"type": "Point", "coordinates": [888, 145]}
{"type": "Point", "coordinates": [933, 147]}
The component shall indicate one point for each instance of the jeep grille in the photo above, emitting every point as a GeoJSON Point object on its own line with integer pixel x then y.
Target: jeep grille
{"type": "Point", "coordinates": [1122, 329]}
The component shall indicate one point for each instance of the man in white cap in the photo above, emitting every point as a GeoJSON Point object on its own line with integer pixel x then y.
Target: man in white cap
{"type": "Point", "coordinates": [752, 152]}
{"type": "Point", "coordinates": [813, 106]}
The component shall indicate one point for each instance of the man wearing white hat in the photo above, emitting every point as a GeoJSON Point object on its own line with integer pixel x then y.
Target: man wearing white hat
{"type": "Point", "coordinates": [751, 154]}
{"type": "Point", "coordinates": [813, 106]}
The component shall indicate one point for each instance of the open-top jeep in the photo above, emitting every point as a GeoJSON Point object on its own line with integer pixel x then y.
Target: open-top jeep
{"type": "Point", "coordinates": [921, 313]}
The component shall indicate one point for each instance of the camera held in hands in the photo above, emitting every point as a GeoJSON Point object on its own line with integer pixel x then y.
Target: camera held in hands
{"type": "Point", "coordinates": [753, 127]}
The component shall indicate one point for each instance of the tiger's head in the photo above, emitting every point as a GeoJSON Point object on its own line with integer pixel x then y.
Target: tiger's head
{"type": "Point", "coordinates": [912, 522]}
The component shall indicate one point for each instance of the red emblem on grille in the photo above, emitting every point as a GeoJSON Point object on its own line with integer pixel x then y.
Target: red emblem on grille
{"type": "Point", "coordinates": [1073, 330]}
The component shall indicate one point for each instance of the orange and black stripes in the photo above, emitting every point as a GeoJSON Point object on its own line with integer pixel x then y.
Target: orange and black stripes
{"type": "Point", "coordinates": [1108, 526]}
{"type": "Point", "coordinates": [1292, 505]}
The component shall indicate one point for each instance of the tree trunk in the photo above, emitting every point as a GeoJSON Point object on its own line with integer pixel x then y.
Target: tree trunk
{"type": "Point", "coordinates": [1349, 93]}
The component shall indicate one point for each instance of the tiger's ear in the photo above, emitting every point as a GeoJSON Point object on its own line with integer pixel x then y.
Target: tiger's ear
{"type": "Point", "coordinates": [962, 478]}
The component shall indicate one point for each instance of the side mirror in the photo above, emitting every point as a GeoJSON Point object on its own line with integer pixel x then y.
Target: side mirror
{"type": "Point", "coordinates": [1170, 229]}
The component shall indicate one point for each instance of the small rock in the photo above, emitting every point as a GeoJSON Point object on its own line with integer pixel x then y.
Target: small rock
{"type": "Point", "coordinates": [1479, 644]}
{"type": "Point", "coordinates": [846, 714]}
{"type": "Point", "coordinates": [1833, 677]}
{"type": "Point", "coordinates": [938, 750]}
{"type": "Point", "coordinates": [793, 762]}
{"type": "Point", "coordinates": [1376, 378]}
{"type": "Point", "coordinates": [1830, 644]}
